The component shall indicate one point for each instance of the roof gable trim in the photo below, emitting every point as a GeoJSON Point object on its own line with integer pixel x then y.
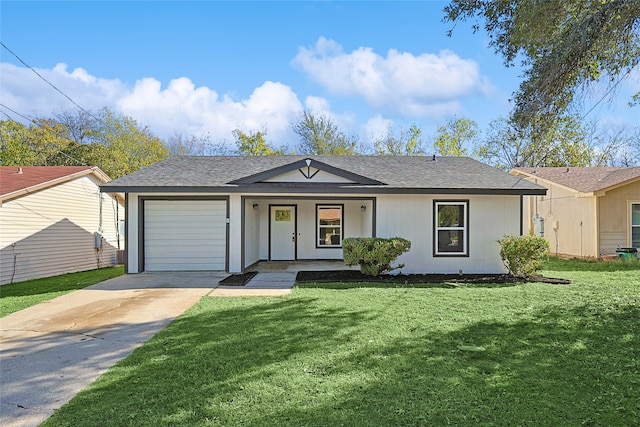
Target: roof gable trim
{"type": "Point", "coordinates": [308, 168]}
{"type": "Point", "coordinates": [101, 176]}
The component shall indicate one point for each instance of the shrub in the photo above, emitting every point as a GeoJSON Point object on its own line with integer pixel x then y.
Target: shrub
{"type": "Point", "coordinates": [374, 254]}
{"type": "Point", "coordinates": [523, 255]}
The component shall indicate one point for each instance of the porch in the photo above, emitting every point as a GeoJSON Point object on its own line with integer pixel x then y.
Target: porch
{"type": "Point", "coordinates": [301, 265]}
{"type": "Point", "coordinates": [277, 278]}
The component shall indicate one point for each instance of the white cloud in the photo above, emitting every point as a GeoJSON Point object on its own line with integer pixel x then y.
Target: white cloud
{"type": "Point", "coordinates": [426, 85]}
{"type": "Point", "coordinates": [180, 107]}
{"type": "Point", "coordinates": [317, 105]}
{"type": "Point", "coordinates": [196, 111]}
{"type": "Point", "coordinates": [377, 127]}
{"type": "Point", "coordinates": [23, 91]}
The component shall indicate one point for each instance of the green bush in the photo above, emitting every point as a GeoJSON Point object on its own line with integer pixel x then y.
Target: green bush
{"type": "Point", "coordinates": [523, 255]}
{"type": "Point", "coordinates": [374, 254]}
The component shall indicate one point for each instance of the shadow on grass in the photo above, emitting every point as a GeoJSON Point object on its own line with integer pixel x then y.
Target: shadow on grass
{"type": "Point", "coordinates": [305, 361]}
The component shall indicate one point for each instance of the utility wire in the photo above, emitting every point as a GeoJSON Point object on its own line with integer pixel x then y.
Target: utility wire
{"type": "Point", "coordinates": [16, 113]}
{"type": "Point", "coordinates": [606, 94]}
{"type": "Point", "coordinates": [49, 83]}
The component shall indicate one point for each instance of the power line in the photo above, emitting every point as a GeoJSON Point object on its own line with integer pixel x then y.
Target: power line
{"type": "Point", "coordinates": [49, 83]}
{"type": "Point", "coordinates": [606, 93]}
{"type": "Point", "coordinates": [16, 113]}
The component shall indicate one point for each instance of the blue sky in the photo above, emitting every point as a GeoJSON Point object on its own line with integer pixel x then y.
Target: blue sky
{"type": "Point", "coordinates": [198, 68]}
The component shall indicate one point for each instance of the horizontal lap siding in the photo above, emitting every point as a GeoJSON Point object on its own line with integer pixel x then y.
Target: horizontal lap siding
{"type": "Point", "coordinates": [53, 231]}
{"type": "Point", "coordinates": [185, 235]}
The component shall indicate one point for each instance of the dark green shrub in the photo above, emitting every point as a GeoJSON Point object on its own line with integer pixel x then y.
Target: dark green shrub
{"type": "Point", "coordinates": [523, 255]}
{"type": "Point", "coordinates": [374, 254]}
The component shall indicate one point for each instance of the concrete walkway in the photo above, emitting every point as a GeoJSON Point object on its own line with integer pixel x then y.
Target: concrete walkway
{"type": "Point", "coordinates": [276, 283]}
{"type": "Point", "coordinates": [51, 351]}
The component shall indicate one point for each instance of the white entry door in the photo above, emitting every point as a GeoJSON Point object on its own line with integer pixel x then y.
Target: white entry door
{"type": "Point", "coordinates": [283, 233]}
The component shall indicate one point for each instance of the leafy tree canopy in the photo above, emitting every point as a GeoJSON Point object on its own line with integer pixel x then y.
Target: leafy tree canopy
{"type": "Point", "coordinates": [407, 143]}
{"type": "Point", "coordinates": [563, 143]}
{"type": "Point", "coordinates": [320, 135]}
{"type": "Point", "coordinates": [254, 144]}
{"type": "Point", "coordinates": [453, 138]}
{"type": "Point", "coordinates": [116, 144]}
{"type": "Point", "coordinates": [564, 46]}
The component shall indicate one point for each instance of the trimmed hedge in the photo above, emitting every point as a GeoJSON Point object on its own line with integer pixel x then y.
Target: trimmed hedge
{"type": "Point", "coordinates": [523, 255]}
{"type": "Point", "coordinates": [374, 254]}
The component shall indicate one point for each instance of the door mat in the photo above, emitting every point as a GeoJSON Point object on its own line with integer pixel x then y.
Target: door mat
{"type": "Point", "coordinates": [238, 279]}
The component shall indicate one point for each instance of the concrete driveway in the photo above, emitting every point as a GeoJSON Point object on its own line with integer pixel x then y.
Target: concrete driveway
{"type": "Point", "coordinates": [51, 351]}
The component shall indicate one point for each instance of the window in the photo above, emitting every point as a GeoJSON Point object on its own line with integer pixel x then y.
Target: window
{"type": "Point", "coordinates": [451, 234]}
{"type": "Point", "coordinates": [635, 225]}
{"type": "Point", "coordinates": [329, 226]}
{"type": "Point", "coordinates": [283, 215]}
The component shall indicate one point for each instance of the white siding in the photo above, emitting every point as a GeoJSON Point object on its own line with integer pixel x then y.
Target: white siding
{"type": "Point", "coordinates": [411, 217]}
{"type": "Point", "coordinates": [408, 216]}
{"type": "Point", "coordinates": [252, 231]}
{"type": "Point", "coordinates": [185, 235]}
{"type": "Point", "coordinates": [355, 225]}
{"type": "Point", "coordinates": [51, 232]}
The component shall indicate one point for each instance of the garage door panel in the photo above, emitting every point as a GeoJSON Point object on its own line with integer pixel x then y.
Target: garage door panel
{"type": "Point", "coordinates": [185, 235]}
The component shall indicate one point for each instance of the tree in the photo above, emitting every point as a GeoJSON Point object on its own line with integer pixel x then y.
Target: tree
{"type": "Point", "coordinates": [121, 146]}
{"type": "Point", "coordinates": [564, 46]}
{"type": "Point", "coordinates": [508, 146]}
{"type": "Point", "coordinates": [320, 135]}
{"type": "Point", "coordinates": [14, 145]}
{"type": "Point", "coordinates": [254, 144]}
{"type": "Point", "coordinates": [116, 144]}
{"type": "Point", "coordinates": [181, 145]}
{"type": "Point", "coordinates": [453, 137]}
{"type": "Point", "coordinates": [615, 145]}
{"type": "Point", "coordinates": [408, 143]}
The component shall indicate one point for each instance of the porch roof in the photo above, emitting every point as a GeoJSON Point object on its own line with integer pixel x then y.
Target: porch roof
{"type": "Point", "coordinates": [374, 174]}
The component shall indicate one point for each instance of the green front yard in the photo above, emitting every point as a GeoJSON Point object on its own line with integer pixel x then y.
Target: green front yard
{"type": "Point", "coordinates": [361, 355]}
{"type": "Point", "coordinates": [18, 296]}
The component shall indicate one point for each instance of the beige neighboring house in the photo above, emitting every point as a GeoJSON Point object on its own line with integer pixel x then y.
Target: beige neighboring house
{"type": "Point", "coordinates": [587, 211]}
{"type": "Point", "coordinates": [55, 220]}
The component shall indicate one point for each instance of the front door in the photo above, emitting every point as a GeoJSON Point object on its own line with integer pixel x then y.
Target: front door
{"type": "Point", "coordinates": [282, 241]}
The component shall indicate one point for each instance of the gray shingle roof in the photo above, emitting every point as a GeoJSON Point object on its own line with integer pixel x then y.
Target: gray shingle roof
{"type": "Point", "coordinates": [396, 173]}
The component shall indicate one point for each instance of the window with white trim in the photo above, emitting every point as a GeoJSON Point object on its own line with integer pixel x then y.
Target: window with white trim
{"type": "Point", "coordinates": [635, 225]}
{"type": "Point", "coordinates": [451, 233]}
{"type": "Point", "coordinates": [329, 226]}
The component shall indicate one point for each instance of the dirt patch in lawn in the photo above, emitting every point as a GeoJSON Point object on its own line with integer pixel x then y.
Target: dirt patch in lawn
{"type": "Point", "coordinates": [356, 276]}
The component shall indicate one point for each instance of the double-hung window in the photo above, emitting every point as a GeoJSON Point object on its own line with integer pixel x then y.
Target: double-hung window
{"type": "Point", "coordinates": [451, 228]}
{"type": "Point", "coordinates": [635, 225]}
{"type": "Point", "coordinates": [329, 226]}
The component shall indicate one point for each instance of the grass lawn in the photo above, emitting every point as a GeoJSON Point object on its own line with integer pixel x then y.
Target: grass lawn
{"type": "Point", "coordinates": [369, 355]}
{"type": "Point", "coordinates": [17, 296]}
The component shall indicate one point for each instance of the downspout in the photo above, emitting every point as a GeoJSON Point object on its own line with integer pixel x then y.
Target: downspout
{"type": "Point", "coordinates": [521, 214]}
{"type": "Point", "coordinates": [597, 226]}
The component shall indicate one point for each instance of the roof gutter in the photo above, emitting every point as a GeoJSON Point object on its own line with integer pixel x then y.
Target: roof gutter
{"type": "Point", "coordinates": [323, 190]}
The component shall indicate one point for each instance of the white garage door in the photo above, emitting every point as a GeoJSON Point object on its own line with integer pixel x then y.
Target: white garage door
{"type": "Point", "coordinates": [185, 235]}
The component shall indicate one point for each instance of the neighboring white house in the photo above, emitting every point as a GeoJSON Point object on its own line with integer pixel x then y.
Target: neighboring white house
{"type": "Point", "coordinates": [228, 213]}
{"type": "Point", "coordinates": [55, 220]}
